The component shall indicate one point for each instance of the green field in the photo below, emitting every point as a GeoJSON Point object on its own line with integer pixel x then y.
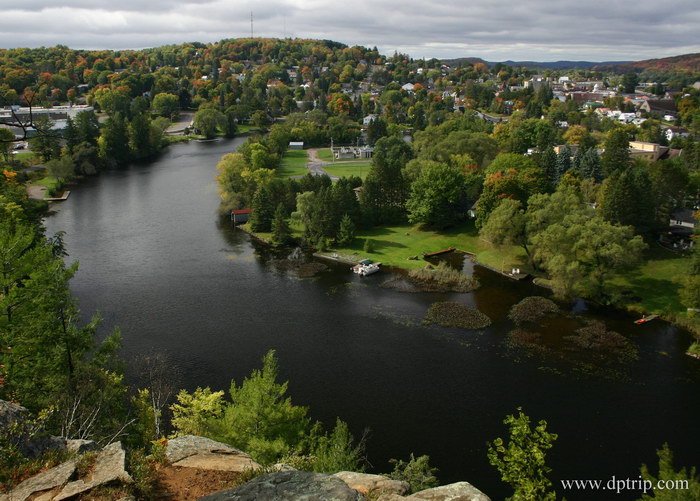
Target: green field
{"type": "Point", "coordinates": [293, 164]}
{"type": "Point", "coordinates": [394, 245]}
{"type": "Point", "coordinates": [347, 169]}
{"type": "Point", "coordinates": [656, 281]}
{"type": "Point", "coordinates": [27, 157]}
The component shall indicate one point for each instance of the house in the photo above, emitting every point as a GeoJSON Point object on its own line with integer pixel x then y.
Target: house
{"type": "Point", "coordinates": [369, 119]}
{"type": "Point", "coordinates": [674, 131]}
{"type": "Point", "coordinates": [650, 151]}
{"type": "Point", "coordinates": [240, 215]}
{"type": "Point", "coordinates": [408, 87]}
{"type": "Point", "coordinates": [659, 107]}
{"type": "Point", "coordinates": [681, 226]}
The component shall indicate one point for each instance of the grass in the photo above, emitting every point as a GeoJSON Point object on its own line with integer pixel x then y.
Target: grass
{"type": "Point", "coordinates": [347, 169]}
{"type": "Point", "coordinates": [293, 164]}
{"type": "Point", "coordinates": [656, 281]}
{"type": "Point", "coordinates": [396, 245]}
{"type": "Point", "coordinates": [326, 155]}
{"type": "Point", "coordinates": [50, 182]}
{"type": "Point", "coordinates": [27, 156]}
{"type": "Point", "coordinates": [242, 129]}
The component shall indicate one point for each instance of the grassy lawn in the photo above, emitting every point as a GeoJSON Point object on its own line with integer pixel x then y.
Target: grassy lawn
{"type": "Point", "coordinates": [326, 155]}
{"type": "Point", "coordinates": [242, 129]}
{"type": "Point", "coordinates": [293, 164]}
{"type": "Point", "coordinates": [49, 181]}
{"type": "Point", "coordinates": [394, 245]}
{"type": "Point", "coordinates": [27, 156]}
{"type": "Point", "coordinates": [656, 281]}
{"type": "Point", "coordinates": [347, 169]}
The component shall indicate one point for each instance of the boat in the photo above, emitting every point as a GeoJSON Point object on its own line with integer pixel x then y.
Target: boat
{"type": "Point", "coordinates": [366, 267]}
{"type": "Point", "coordinates": [645, 319]}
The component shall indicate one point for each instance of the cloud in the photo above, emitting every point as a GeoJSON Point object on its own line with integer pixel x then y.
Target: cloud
{"type": "Point", "coordinates": [492, 29]}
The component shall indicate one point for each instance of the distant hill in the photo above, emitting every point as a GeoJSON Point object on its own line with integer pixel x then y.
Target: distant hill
{"type": "Point", "coordinates": [686, 63]}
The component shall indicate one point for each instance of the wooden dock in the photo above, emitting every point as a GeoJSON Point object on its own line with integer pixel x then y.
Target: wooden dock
{"type": "Point", "coordinates": [439, 253]}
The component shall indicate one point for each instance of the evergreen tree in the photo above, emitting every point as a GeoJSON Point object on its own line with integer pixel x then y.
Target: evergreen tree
{"type": "Point", "coordinates": [627, 200]}
{"type": "Point", "coordinates": [140, 136]}
{"type": "Point", "coordinates": [589, 165]}
{"type": "Point", "coordinates": [563, 162]}
{"type": "Point", "coordinates": [87, 126]}
{"type": "Point", "coordinates": [46, 142]}
{"type": "Point", "coordinates": [263, 210]}
{"type": "Point", "coordinates": [114, 141]}
{"type": "Point", "coordinates": [376, 130]}
{"type": "Point", "coordinates": [281, 233]}
{"type": "Point", "coordinates": [70, 134]}
{"type": "Point", "coordinates": [346, 232]}
{"type": "Point", "coordinates": [616, 156]}
{"type": "Point", "coordinates": [547, 160]}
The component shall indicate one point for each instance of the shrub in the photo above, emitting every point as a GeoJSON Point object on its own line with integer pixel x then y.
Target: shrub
{"type": "Point", "coordinates": [694, 349]}
{"type": "Point", "coordinates": [595, 337]}
{"type": "Point", "coordinates": [450, 314]}
{"type": "Point", "coordinates": [369, 246]}
{"type": "Point", "coordinates": [532, 309]}
{"type": "Point", "coordinates": [417, 472]}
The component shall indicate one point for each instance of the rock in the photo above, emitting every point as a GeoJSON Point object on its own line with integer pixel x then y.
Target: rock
{"type": "Point", "coordinates": [109, 467]}
{"type": "Point", "coordinates": [50, 479]}
{"type": "Point", "coordinates": [81, 446]}
{"type": "Point", "coordinates": [372, 484]}
{"type": "Point", "coordinates": [292, 486]}
{"type": "Point", "coordinates": [31, 444]}
{"type": "Point", "coordinates": [283, 467]}
{"type": "Point", "coordinates": [390, 497]}
{"type": "Point", "coordinates": [460, 491]}
{"type": "Point", "coordinates": [198, 452]}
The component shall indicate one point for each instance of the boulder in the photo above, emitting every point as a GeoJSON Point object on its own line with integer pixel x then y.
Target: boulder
{"type": "Point", "coordinates": [50, 479]}
{"type": "Point", "coordinates": [31, 443]}
{"type": "Point", "coordinates": [366, 483]}
{"type": "Point", "coordinates": [460, 491]}
{"type": "Point", "coordinates": [198, 452]}
{"type": "Point", "coordinates": [292, 486]}
{"type": "Point", "coordinates": [81, 446]}
{"type": "Point", "coordinates": [109, 467]}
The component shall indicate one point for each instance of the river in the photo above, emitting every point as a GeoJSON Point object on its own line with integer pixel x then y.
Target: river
{"type": "Point", "coordinates": [157, 261]}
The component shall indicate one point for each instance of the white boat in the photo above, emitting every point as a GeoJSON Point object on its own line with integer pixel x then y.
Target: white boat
{"type": "Point", "coordinates": [366, 267]}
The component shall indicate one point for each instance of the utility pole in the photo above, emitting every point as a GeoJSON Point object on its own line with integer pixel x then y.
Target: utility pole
{"type": "Point", "coordinates": [251, 24]}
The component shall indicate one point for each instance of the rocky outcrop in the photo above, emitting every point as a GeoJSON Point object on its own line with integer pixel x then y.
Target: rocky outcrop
{"type": "Point", "coordinates": [290, 485]}
{"type": "Point", "coordinates": [366, 483]}
{"type": "Point", "coordinates": [46, 481]}
{"type": "Point", "coordinates": [198, 452]}
{"type": "Point", "coordinates": [461, 491]}
{"type": "Point", "coordinates": [109, 467]}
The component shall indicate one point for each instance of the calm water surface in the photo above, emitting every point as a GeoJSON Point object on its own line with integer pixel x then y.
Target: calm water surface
{"type": "Point", "coordinates": [157, 261]}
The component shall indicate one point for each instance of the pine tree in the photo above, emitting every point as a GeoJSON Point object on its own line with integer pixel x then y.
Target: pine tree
{"type": "Point", "coordinates": [616, 156]}
{"type": "Point", "coordinates": [548, 162]}
{"type": "Point", "coordinates": [589, 165]}
{"type": "Point", "coordinates": [563, 162]}
{"type": "Point", "coordinates": [263, 212]}
{"type": "Point", "coordinates": [281, 233]}
{"type": "Point", "coordinates": [346, 232]}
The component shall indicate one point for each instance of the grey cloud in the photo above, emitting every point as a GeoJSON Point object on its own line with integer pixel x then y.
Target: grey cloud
{"type": "Point", "coordinates": [493, 29]}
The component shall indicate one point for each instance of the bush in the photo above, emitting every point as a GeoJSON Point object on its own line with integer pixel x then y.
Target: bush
{"type": "Point", "coordinates": [456, 315]}
{"type": "Point", "coordinates": [369, 246]}
{"type": "Point", "coordinates": [532, 309]}
{"type": "Point", "coordinates": [694, 349]}
{"type": "Point", "coordinates": [595, 337]}
{"type": "Point", "coordinates": [417, 472]}
{"type": "Point", "coordinates": [144, 473]}
{"type": "Point", "coordinates": [443, 278]}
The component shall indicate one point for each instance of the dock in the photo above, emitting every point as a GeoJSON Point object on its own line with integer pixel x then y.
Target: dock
{"type": "Point", "coordinates": [439, 253]}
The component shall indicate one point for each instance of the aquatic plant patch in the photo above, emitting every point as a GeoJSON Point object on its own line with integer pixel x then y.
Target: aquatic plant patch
{"type": "Point", "coordinates": [450, 314]}
{"type": "Point", "coordinates": [532, 309]}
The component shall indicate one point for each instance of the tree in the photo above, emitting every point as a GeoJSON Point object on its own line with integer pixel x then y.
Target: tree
{"type": "Point", "coordinates": [376, 130]}
{"type": "Point", "coordinates": [45, 143]}
{"type": "Point", "coordinates": [6, 141]}
{"type": "Point", "coordinates": [385, 189]}
{"type": "Point", "coordinates": [521, 458]}
{"type": "Point", "coordinates": [336, 451]}
{"type": "Point", "coordinates": [281, 233]}
{"type": "Point", "coordinates": [627, 199]}
{"type": "Point", "coordinates": [261, 419]}
{"type": "Point", "coordinates": [346, 232]}
{"type": "Point", "coordinates": [616, 156]}
{"type": "Point", "coordinates": [114, 141]}
{"type": "Point", "coordinates": [581, 254]}
{"type": "Point", "coordinates": [437, 197]}
{"type": "Point", "coordinates": [207, 121]}
{"type": "Point", "coordinates": [507, 225]}
{"type": "Point", "coordinates": [589, 165]}
{"type": "Point", "coordinates": [629, 82]}
{"type": "Point", "coordinates": [263, 211]}
{"type": "Point", "coordinates": [417, 472]}
{"type": "Point", "coordinates": [61, 168]}
{"type": "Point", "coordinates": [668, 476]}
{"type": "Point", "coordinates": [166, 105]}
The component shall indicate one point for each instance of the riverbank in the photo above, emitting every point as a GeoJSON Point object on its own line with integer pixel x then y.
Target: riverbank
{"type": "Point", "coordinates": [402, 246]}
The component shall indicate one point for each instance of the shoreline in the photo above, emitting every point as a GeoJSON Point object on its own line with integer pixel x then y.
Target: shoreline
{"type": "Point", "coordinates": [343, 259]}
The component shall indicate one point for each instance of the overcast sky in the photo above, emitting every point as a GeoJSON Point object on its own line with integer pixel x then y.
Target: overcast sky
{"type": "Point", "coordinates": [496, 30]}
